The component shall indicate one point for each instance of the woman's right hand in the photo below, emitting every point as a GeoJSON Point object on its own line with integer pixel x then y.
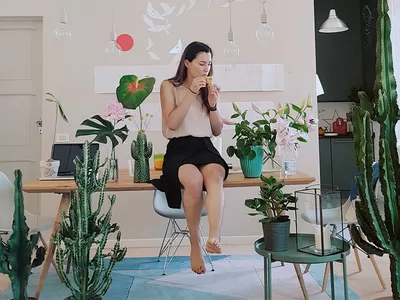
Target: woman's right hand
{"type": "Point", "coordinates": [197, 84]}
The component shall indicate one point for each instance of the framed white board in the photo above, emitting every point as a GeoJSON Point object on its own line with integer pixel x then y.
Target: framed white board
{"type": "Point", "coordinates": [231, 78]}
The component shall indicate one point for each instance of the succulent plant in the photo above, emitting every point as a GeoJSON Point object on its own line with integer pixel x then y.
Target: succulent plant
{"type": "Point", "coordinates": [16, 253]}
{"type": "Point", "coordinates": [382, 234]}
{"type": "Point", "coordinates": [85, 229]}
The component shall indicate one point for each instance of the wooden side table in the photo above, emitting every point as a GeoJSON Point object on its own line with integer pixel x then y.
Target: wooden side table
{"type": "Point", "coordinates": [296, 257]}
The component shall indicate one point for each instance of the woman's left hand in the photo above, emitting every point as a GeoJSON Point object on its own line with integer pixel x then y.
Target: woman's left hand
{"type": "Point", "coordinates": [213, 93]}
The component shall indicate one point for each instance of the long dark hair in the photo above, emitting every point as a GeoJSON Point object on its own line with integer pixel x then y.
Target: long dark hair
{"type": "Point", "coordinates": [190, 53]}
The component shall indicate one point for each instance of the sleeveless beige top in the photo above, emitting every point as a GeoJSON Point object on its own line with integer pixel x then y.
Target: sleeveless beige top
{"type": "Point", "coordinates": [197, 121]}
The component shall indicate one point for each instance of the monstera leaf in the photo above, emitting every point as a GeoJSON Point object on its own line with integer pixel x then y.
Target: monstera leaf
{"type": "Point", "coordinates": [131, 91]}
{"type": "Point", "coordinates": [103, 130]}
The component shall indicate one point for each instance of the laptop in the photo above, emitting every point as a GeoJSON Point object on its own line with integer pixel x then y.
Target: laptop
{"type": "Point", "coordinates": [66, 154]}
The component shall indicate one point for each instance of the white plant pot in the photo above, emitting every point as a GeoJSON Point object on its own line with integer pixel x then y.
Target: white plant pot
{"type": "Point", "coordinates": [49, 168]}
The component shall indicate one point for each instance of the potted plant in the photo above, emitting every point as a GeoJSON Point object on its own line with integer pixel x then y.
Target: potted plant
{"type": "Point", "coordinates": [49, 168]}
{"type": "Point", "coordinates": [291, 130]}
{"type": "Point", "coordinates": [16, 253]}
{"type": "Point", "coordinates": [108, 128]}
{"type": "Point", "coordinates": [131, 92]}
{"type": "Point", "coordinates": [272, 204]}
{"type": "Point", "coordinates": [85, 229]}
{"type": "Point", "coordinates": [377, 231]}
{"type": "Point", "coordinates": [253, 140]}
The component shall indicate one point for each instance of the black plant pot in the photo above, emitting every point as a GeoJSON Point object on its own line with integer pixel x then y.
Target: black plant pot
{"type": "Point", "coordinates": [276, 234]}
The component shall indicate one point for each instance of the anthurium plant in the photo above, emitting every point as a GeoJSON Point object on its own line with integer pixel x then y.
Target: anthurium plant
{"type": "Point", "coordinates": [131, 92]}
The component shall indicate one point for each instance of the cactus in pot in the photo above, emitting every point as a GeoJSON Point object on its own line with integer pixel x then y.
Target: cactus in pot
{"type": "Point", "coordinates": [16, 253]}
{"type": "Point", "coordinates": [382, 233]}
{"type": "Point", "coordinates": [85, 229]}
{"type": "Point", "coordinates": [141, 151]}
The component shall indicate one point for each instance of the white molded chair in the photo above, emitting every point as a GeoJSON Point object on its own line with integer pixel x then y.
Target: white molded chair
{"type": "Point", "coordinates": [36, 223]}
{"type": "Point", "coordinates": [173, 230]}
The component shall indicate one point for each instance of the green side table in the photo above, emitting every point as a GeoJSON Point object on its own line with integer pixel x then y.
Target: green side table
{"type": "Point", "coordinates": [296, 257]}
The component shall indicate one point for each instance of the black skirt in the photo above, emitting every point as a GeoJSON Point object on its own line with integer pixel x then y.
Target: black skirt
{"type": "Point", "coordinates": [180, 151]}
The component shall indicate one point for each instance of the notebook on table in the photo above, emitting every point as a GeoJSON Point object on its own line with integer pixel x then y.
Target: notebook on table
{"type": "Point", "coordinates": [66, 154]}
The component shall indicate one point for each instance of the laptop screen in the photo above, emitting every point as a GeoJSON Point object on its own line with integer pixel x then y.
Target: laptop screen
{"type": "Point", "coordinates": [66, 154]}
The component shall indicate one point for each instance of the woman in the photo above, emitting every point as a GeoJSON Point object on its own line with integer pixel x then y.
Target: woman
{"type": "Point", "coordinates": [191, 162]}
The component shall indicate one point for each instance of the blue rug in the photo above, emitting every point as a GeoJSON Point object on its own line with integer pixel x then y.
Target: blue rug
{"type": "Point", "coordinates": [235, 277]}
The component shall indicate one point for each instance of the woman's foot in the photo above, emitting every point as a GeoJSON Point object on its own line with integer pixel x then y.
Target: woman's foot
{"type": "Point", "coordinates": [213, 246]}
{"type": "Point", "coordinates": [196, 260]}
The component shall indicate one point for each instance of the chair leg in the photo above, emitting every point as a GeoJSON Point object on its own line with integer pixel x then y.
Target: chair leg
{"type": "Point", "coordinates": [326, 275]}
{"type": "Point", "coordinates": [53, 262]}
{"type": "Point", "coordinates": [173, 232]}
{"type": "Point", "coordinates": [163, 246]}
{"type": "Point", "coordinates": [378, 272]}
{"type": "Point", "coordinates": [357, 255]}
{"type": "Point", "coordinates": [307, 268]}
{"type": "Point", "coordinates": [176, 232]}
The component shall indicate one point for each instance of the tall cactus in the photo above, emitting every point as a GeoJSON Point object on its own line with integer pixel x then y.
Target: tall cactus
{"type": "Point", "coordinates": [141, 151]}
{"type": "Point", "coordinates": [382, 234]}
{"type": "Point", "coordinates": [83, 229]}
{"type": "Point", "coordinates": [16, 253]}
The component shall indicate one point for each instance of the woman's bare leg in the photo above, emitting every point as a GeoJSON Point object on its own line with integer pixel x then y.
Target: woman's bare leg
{"type": "Point", "coordinates": [213, 176]}
{"type": "Point", "coordinates": [192, 181]}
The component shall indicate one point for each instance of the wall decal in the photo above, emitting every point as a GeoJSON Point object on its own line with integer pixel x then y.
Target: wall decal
{"type": "Point", "coordinates": [154, 56]}
{"type": "Point", "coordinates": [150, 44]}
{"type": "Point", "coordinates": [192, 3]}
{"type": "Point", "coordinates": [178, 48]}
{"type": "Point", "coordinates": [168, 9]}
{"type": "Point", "coordinates": [156, 28]}
{"type": "Point", "coordinates": [153, 13]}
{"type": "Point", "coordinates": [125, 42]}
{"type": "Point", "coordinates": [181, 10]}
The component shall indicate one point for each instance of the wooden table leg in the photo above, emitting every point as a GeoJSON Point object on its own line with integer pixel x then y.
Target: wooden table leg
{"type": "Point", "coordinates": [64, 205]}
{"type": "Point", "coordinates": [301, 281]}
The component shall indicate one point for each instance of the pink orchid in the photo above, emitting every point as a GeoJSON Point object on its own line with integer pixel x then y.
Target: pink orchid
{"type": "Point", "coordinates": [115, 111]}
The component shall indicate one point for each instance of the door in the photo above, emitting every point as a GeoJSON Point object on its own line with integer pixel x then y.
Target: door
{"type": "Point", "coordinates": [21, 100]}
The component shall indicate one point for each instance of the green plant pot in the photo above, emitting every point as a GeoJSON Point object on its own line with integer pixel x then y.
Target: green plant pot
{"type": "Point", "coordinates": [253, 168]}
{"type": "Point", "coordinates": [276, 234]}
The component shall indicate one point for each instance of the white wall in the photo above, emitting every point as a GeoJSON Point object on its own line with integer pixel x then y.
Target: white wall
{"type": "Point", "coordinates": [68, 73]}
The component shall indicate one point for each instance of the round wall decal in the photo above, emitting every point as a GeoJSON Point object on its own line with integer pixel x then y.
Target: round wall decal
{"type": "Point", "coordinates": [124, 42]}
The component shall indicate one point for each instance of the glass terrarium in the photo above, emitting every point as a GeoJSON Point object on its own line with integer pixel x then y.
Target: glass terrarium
{"type": "Point", "coordinates": [324, 208]}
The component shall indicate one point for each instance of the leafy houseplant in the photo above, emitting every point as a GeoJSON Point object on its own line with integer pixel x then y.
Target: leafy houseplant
{"type": "Point", "coordinates": [271, 205]}
{"type": "Point", "coordinates": [84, 227]}
{"type": "Point", "coordinates": [251, 139]}
{"type": "Point", "coordinates": [50, 167]}
{"type": "Point", "coordinates": [131, 92]}
{"type": "Point", "coordinates": [16, 253]}
{"type": "Point", "coordinates": [104, 129]}
{"type": "Point", "coordinates": [382, 234]}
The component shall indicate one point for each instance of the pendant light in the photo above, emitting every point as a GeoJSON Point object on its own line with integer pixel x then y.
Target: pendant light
{"type": "Point", "coordinates": [231, 50]}
{"type": "Point", "coordinates": [333, 24]}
